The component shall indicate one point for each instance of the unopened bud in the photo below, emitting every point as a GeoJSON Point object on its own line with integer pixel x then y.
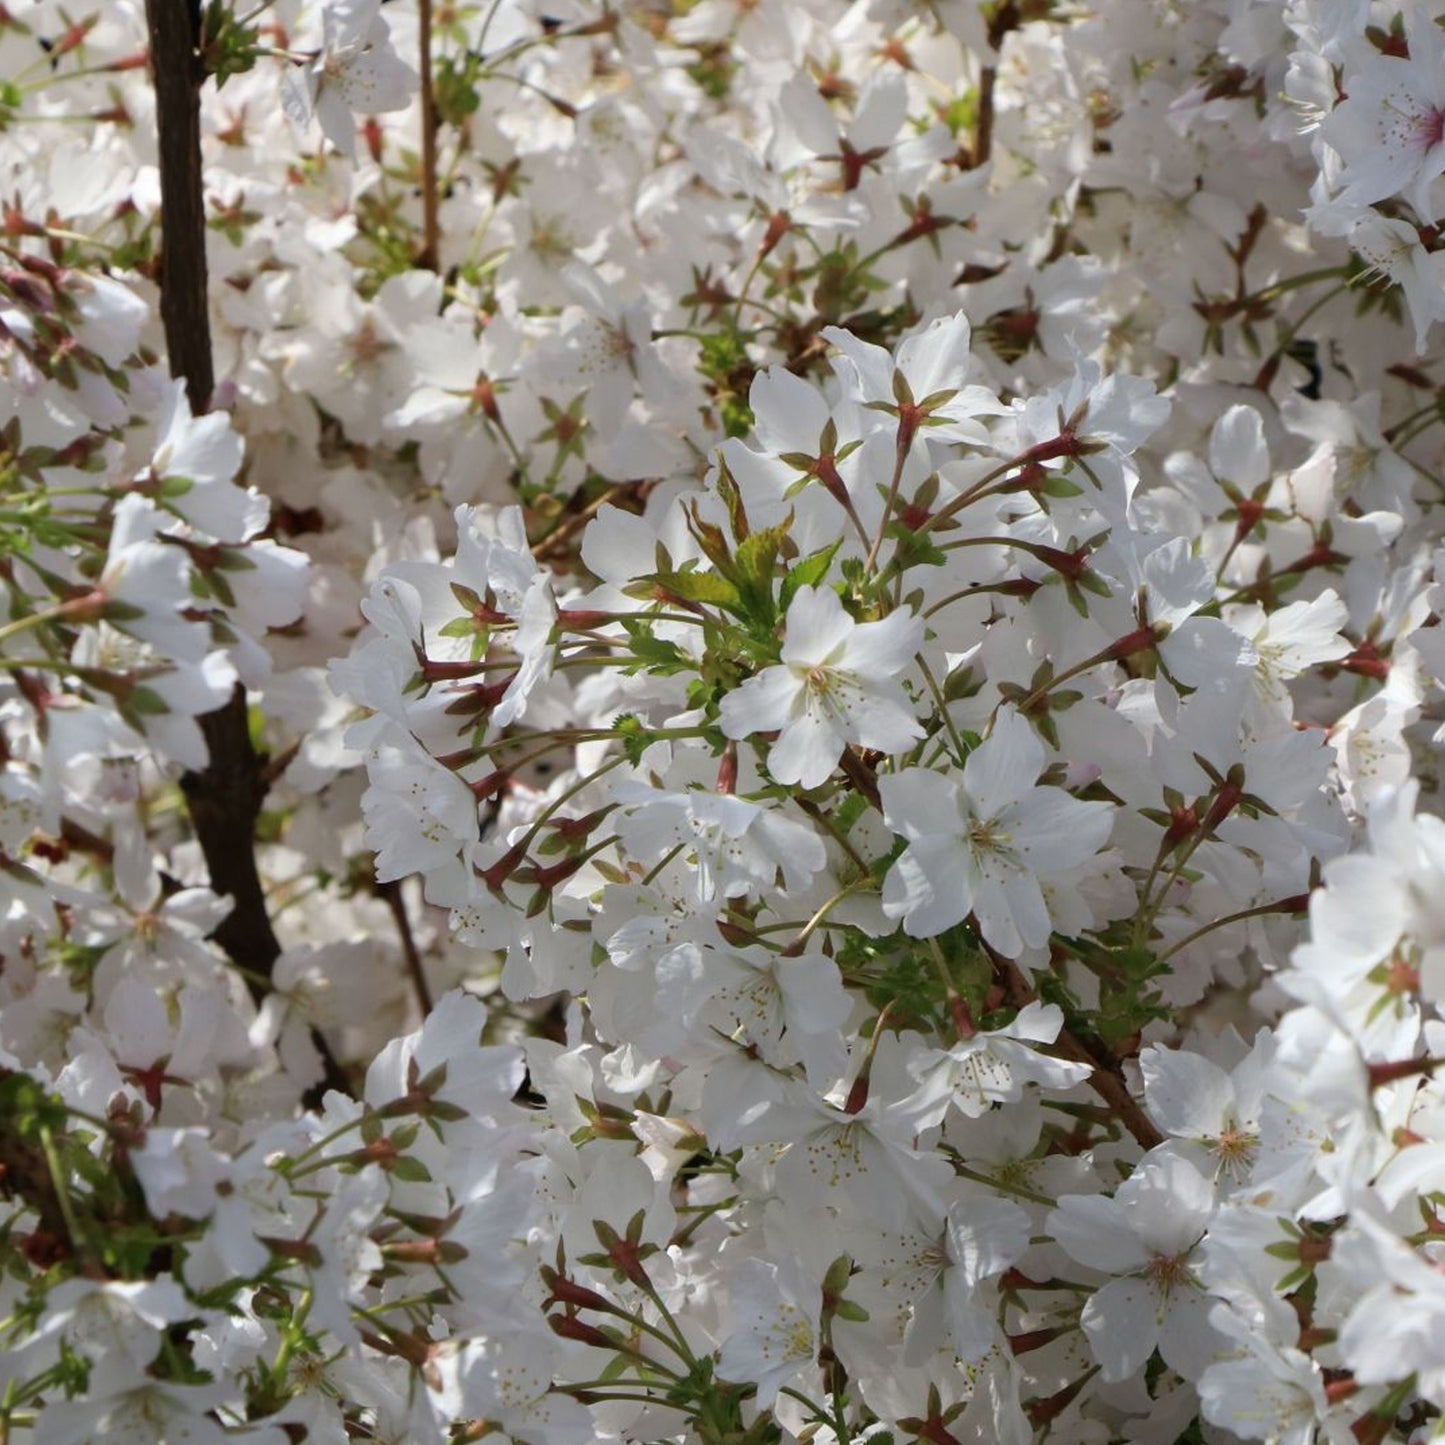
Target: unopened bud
{"type": "Point", "coordinates": [727, 772]}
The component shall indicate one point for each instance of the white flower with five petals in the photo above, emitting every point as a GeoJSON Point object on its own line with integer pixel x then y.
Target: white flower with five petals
{"type": "Point", "coordinates": [834, 686]}
{"type": "Point", "coordinates": [984, 846]}
{"type": "Point", "coordinates": [358, 72]}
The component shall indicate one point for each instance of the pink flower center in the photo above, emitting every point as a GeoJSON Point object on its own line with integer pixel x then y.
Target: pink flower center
{"type": "Point", "coordinates": [1413, 125]}
{"type": "Point", "coordinates": [1168, 1272]}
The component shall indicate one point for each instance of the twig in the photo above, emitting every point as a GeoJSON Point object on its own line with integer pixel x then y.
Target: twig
{"type": "Point", "coordinates": [1005, 17]}
{"type": "Point", "coordinates": [861, 776]}
{"type": "Point", "coordinates": [1106, 1078]}
{"type": "Point", "coordinates": [81, 839]}
{"type": "Point", "coordinates": [392, 894]}
{"type": "Point", "coordinates": [545, 547]}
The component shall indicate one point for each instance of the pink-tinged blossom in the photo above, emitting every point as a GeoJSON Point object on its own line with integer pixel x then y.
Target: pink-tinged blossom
{"type": "Point", "coordinates": [1270, 1392]}
{"type": "Point", "coordinates": [247, 1198]}
{"type": "Point", "coordinates": [125, 1322]}
{"type": "Point", "coordinates": [656, 240]}
{"type": "Point", "coordinates": [342, 1254]}
{"type": "Point", "coordinates": [420, 816]}
{"type": "Point", "coordinates": [146, 584]}
{"type": "Point", "coordinates": [1210, 1112]}
{"type": "Point", "coordinates": [1286, 643]}
{"type": "Point", "coordinates": [1093, 413]}
{"type": "Point", "coordinates": [494, 560]}
{"type": "Point", "coordinates": [931, 1286]}
{"type": "Point", "coordinates": [1392, 250]}
{"type": "Point", "coordinates": [860, 1158]}
{"type": "Point", "coordinates": [1390, 129]}
{"type": "Point", "coordinates": [1395, 1326]}
{"type": "Point", "coordinates": [506, 1379]}
{"type": "Point", "coordinates": [736, 848]}
{"type": "Point", "coordinates": [445, 1057]}
{"type": "Point", "coordinates": [606, 349]}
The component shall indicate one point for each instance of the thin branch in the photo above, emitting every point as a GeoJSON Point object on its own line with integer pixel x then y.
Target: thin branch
{"type": "Point", "coordinates": [1006, 17]}
{"type": "Point", "coordinates": [1106, 1078]}
{"type": "Point", "coordinates": [392, 894]}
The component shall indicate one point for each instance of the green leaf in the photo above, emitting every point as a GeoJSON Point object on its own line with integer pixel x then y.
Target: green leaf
{"type": "Point", "coordinates": [146, 701]}
{"type": "Point", "coordinates": [703, 587]}
{"type": "Point", "coordinates": [754, 568]}
{"type": "Point", "coordinates": [711, 539]}
{"type": "Point", "coordinates": [1057, 486]}
{"type": "Point", "coordinates": [913, 550]}
{"type": "Point", "coordinates": [635, 739]}
{"type": "Point", "coordinates": [27, 1108]}
{"type": "Point", "coordinates": [835, 1281]}
{"type": "Point", "coordinates": [727, 489]}
{"type": "Point", "coordinates": [233, 559]}
{"type": "Point", "coordinates": [807, 573]}
{"type": "Point", "coordinates": [219, 588]}
{"type": "Point", "coordinates": [757, 554]}
{"type": "Point", "coordinates": [654, 654]}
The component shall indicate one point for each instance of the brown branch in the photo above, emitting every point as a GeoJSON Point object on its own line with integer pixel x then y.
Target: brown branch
{"type": "Point", "coordinates": [392, 894]}
{"type": "Point", "coordinates": [983, 122]}
{"type": "Point", "coordinates": [863, 778]}
{"type": "Point", "coordinates": [177, 71]}
{"type": "Point", "coordinates": [544, 548]}
{"type": "Point", "coordinates": [1006, 17]}
{"type": "Point", "coordinates": [224, 798]}
{"type": "Point", "coordinates": [1106, 1078]}
{"type": "Point", "coordinates": [430, 255]}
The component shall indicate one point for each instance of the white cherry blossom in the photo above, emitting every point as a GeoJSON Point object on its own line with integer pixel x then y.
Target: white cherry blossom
{"type": "Point", "coordinates": [356, 73]}
{"type": "Point", "coordinates": [834, 687]}
{"type": "Point", "coordinates": [980, 843]}
{"type": "Point", "coordinates": [1145, 1236]}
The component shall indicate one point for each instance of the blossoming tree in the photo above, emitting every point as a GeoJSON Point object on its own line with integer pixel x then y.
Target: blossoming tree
{"type": "Point", "coordinates": [719, 722]}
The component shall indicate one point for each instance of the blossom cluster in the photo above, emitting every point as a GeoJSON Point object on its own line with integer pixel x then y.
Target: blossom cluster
{"type": "Point", "coordinates": [767, 767]}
